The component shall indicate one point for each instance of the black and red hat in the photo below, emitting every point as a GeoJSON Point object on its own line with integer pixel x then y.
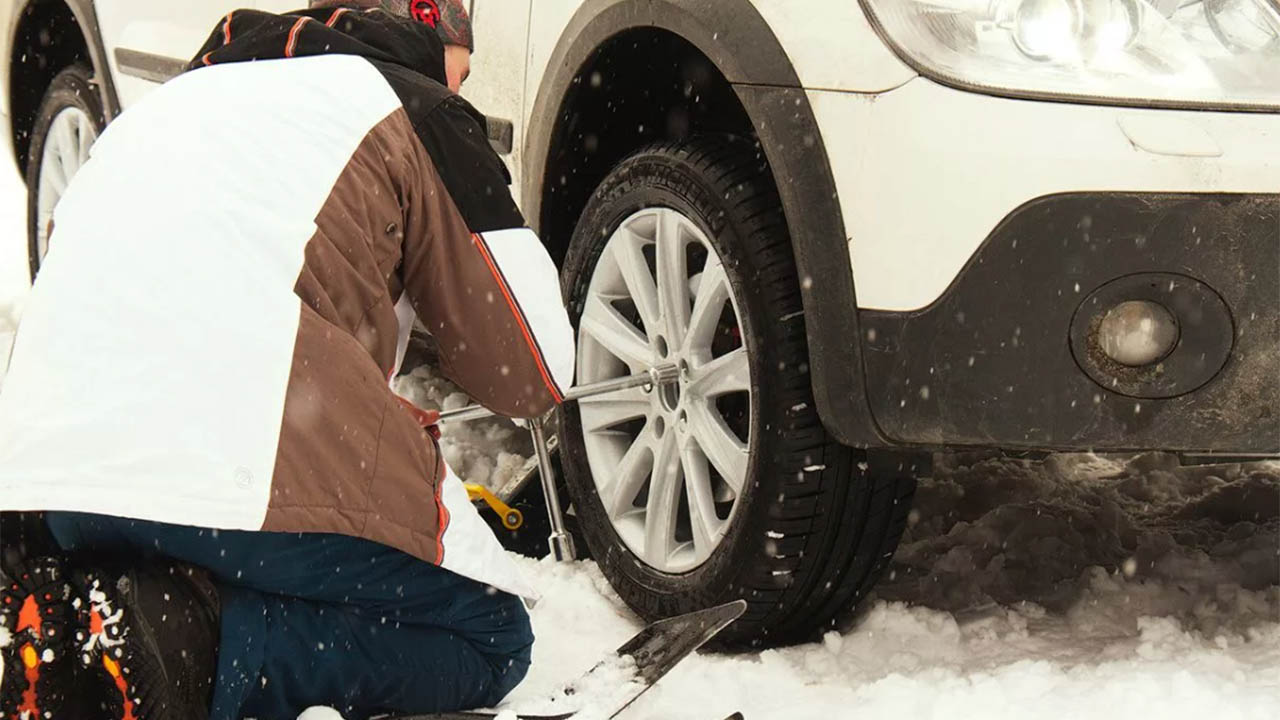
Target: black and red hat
{"type": "Point", "coordinates": [448, 17]}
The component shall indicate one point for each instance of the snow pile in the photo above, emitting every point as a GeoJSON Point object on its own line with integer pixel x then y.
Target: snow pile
{"type": "Point", "coordinates": [1146, 537]}
{"type": "Point", "coordinates": [1079, 587]}
{"type": "Point", "coordinates": [905, 661]}
{"type": "Point", "coordinates": [488, 452]}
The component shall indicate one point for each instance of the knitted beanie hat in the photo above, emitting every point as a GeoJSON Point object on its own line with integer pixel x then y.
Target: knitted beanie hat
{"type": "Point", "coordinates": [448, 17]}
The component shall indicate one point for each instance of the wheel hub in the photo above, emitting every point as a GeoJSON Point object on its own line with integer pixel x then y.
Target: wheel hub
{"type": "Point", "coordinates": [669, 463]}
{"type": "Point", "coordinates": [669, 396]}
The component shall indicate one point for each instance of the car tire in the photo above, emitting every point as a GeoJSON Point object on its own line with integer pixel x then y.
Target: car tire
{"type": "Point", "coordinates": [809, 529]}
{"type": "Point", "coordinates": [69, 121]}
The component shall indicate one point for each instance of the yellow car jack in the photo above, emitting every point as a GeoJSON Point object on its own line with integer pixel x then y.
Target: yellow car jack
{"type": "Point", "coordinates": [512, 518]}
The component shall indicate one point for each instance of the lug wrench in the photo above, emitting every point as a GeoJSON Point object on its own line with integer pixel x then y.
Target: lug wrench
{"type": "Point", "coordinates": [560, 541]}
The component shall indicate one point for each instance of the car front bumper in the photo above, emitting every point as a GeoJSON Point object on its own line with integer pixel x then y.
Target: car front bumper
{"type": "Point", "coordinates": [1009, 356]}
{"type": "Point", "coordinates": [987, 234]}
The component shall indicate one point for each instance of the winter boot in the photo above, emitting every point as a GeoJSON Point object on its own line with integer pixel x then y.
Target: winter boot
{"type": "Point", "coordinates": [37, 619]}
{"type": "Point", "coordinates": [151, 639]}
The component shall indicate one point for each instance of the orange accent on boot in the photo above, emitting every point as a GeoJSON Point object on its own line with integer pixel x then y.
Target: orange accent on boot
{"type": "Point", "coordinates": [30, 703]}
{"type": "Point", "coordinates": [29, 615]}
{"type": "Point", "coordinates": [113, 669]}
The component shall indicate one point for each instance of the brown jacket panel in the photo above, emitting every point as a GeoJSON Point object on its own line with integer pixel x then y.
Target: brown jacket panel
{"type": "Point", "coordinates": [459, 295]}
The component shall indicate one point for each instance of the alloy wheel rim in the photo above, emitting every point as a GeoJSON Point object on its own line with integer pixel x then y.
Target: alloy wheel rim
{"type": "Point", "coordinates": [66, 150]}
{"type": "Point", "coordinates": [669, 463]}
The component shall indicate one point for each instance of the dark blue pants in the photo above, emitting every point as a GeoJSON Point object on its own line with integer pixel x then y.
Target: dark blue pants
{"type": "Point", "coordinates": [314, 619]}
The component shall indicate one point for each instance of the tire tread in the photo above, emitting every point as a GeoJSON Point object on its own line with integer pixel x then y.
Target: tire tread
{"type": "Point", "coordinates": [831, 527]}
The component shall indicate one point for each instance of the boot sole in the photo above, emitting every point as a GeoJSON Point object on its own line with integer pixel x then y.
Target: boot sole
{"type": "Point", "coordinates": [118, 647]}
{"type": "Point", "coordinates": [37, 616]}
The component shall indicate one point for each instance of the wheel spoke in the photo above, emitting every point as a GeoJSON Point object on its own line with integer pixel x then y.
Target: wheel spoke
{"type": "Point", "coordinates": [629, 254]}
{"type": "Point", "coordinates": [85, 137]}
{"type": "Point", "coordinates": [713, 293]}
{"type": "Point", "coordinates": [673, 276]}
{"type": "Point", "coordinates": [660, 511]}
{"type": "Point", "coordinates": [707, 528]}
{"type": "Point", "coordinates": [604, 323]}
{"type": "Point", "coordinates": [51, 173]}
{"type": "Point", "coordinates": [728, 373]}
{"type": "Point", "coordinates": [619, 495]}
{"type": "Point", "coordinates": [725, 451]}
{"type": "Point", "coordinates": [66, 146]}
{"type": "Point", "coordinates": [601, 412]}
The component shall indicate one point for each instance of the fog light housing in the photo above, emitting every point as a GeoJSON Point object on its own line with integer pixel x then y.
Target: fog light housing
{"type": "Point", "coordinates": [1137, 333]}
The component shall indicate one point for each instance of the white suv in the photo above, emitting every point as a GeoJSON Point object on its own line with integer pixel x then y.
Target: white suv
{"type": "Point", "coordinates": [865, 232]}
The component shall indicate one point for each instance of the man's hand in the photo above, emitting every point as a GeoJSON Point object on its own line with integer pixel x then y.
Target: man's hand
{"type": "Point", "coordinates": [428, 419]}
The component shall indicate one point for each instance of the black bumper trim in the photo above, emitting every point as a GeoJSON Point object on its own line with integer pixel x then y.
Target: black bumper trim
{"type": "Point", "coordinates": [991, 362]}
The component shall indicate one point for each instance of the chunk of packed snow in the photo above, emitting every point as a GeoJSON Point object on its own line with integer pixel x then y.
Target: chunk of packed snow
{"type": "Point", "coordinates": [489, 452]}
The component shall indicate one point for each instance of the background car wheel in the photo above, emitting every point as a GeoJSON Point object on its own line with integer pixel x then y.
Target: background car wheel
{"type": "Point", "coordinates": [70, 120]}
{"type": "Point", "coordinates": [725, 485]}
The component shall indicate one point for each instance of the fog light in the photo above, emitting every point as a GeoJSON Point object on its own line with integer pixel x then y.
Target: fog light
{"type": "Point", "coordinates": [1137, 332]}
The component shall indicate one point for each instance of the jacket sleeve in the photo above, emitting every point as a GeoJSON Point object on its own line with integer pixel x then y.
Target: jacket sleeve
{"type": "Point", "coordinates": [482, 283]}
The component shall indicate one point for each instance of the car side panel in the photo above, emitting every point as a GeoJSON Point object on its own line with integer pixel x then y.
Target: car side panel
{"type": "Point", "coordinates": [814, 37]}
{"type": "Point", "coordinates": [496, 86]}
{"type": "Point", "coordinates": [10, 10]}
{"type": "Point", "coordinates": [159, 27]}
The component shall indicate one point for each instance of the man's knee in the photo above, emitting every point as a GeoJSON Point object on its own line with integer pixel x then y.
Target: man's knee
{"type": "Point", "coordinates": [512, 665]}
{"type": "Point", "coordinates": [72, 530]}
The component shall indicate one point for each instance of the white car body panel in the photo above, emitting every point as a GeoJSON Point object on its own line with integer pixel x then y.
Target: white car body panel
{"type": "Point", "coordinates": [545, 28]}
{"type": "Point", "coordinates": [925, 172]}
{"type": "Point", "coordinates": [497, 84]}
{"type": "Point", "coordinates": [9, 11]}
{"type": "Point", "coordinates": [160, 27]}
{"type": "Point", "coordinates": [811, 40]}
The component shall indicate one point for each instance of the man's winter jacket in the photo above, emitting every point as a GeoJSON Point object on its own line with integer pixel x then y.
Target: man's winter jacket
{"type": "Point", "coordinates": [231, 285]}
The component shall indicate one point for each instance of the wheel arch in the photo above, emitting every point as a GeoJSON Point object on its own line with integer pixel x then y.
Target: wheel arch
{"type": "Point", "coordinates": [50, 36]}
{"type": "Point", "coordinates": [755, 90]}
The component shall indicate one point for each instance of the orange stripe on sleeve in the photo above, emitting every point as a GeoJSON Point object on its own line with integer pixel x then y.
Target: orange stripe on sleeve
{"type": "Point", "coordinates": [226, 29]}
{"type": "Point", "coordinates": [293, 36]}
{"type": "Point", "coordinates": [334, 17]}
{"type": "Point", "coordinates": [515, 310]}
{"type": "Point", "coordinates": [442, 513]}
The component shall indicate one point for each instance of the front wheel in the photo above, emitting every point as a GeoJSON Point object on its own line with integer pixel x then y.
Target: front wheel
{"type": "Point", "coordinates": [724, 485]}
{"type": "Point", "coordinates": [69, 122]}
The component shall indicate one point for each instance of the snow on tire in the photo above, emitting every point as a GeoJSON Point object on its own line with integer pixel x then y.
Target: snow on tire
{"type": "Point", "coordinates": [725, 485]}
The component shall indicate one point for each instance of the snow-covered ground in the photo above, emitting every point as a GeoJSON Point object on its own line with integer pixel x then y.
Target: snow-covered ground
{"type": "Point", "coordinates": [1076, 587]}
{"type": "Point", "coordinates": [1080, 587]}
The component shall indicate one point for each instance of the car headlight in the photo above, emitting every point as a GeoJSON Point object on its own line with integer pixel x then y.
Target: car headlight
{"type": "Point", "coordinates": [1180, 53]}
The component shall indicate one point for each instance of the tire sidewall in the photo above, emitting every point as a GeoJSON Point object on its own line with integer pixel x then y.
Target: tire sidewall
{"type": "Point", "coordinates": [647, 180]}
{"type": "Point", "coordinates": [71, 88]}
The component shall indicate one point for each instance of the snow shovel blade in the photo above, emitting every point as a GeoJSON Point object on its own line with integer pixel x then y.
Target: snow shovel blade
{"type": "Point", "coordinates": [646, 657]}
{"type": "Point", "coordinates": [660, 645]}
